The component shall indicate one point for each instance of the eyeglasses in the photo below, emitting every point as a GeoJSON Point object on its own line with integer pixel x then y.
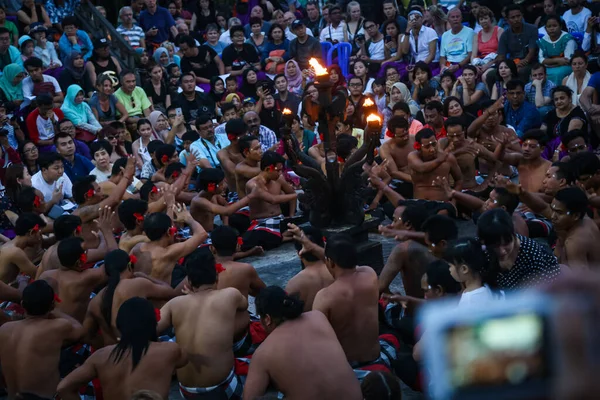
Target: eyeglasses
{"type": "Point", "coordinates": [370, 27]}
{"type": "Point", "coordinates": [31, 150]}
{"type": "Point", "coordinates": [577, 147]}
{"type": "Point", "coordinates": [172, 115]}
{"type": "Point", "coordinates": [132, 102]}
{"type": "Point", "coordinates": [111, 137]}
{"type": "Point", "coordinates": [355, 85]}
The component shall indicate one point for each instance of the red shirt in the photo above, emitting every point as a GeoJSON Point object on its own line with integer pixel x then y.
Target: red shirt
{"type": "Point", "coordinates": [438, 135]}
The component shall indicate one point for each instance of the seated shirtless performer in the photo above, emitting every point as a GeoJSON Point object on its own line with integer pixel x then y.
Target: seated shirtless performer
{"type": "Point", "coordinates": [30, 349]}
{"type": "Point", "coordinates": [231, 155]}
{"type": "Point", "coordinates": [158, 257]}
{"type": "Point", "coordinates": [427, 163]}
{"type": "Point", "coordinates": [314, 276]}
{"type": "Point", "coordinates": [210, 202]}
{"type": "Point", "coordinates": [351, 305]}
{"type": "Point", "coordinates": [123, 284]}
{"type": "Point", "coordinates": [135, 363]}
{"type": "Point", "coordinates": [131, 214]}
{"type": "Point", "coordinates": [13, 259]}
{"type": "Point", "coordinates": [204, 321]}
{"type": "Point", "coordinates": [301, 357]}
{"type": "Point", "coordinates": [245, 170]}
{"type": "Point", "coordinates": [395, 151]}
{"type": "Point", "coordinates": [270, 191]}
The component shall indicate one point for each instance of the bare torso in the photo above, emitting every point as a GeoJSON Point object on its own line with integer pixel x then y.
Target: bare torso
{"type": "Point", "coordinates": [531, 175]}
{"type": "Point", "coordinates": [243, 173]}
{"type": "Point", "coordinates": [307, 283]}
{"type": "Point", "coordinates": [258, 207]}
{"type": "Point", "coordinates": [423, 183]}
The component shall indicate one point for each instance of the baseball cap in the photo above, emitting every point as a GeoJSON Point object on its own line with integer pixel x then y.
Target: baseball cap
{"type": "Point", "coordinates": [37, 27]}
{"type": "Point", "coordinates": [297, 23]}
{"type": "Point", "coordinates": [249, 100]}
{"type": "Point", "coordinates": [101, 42]}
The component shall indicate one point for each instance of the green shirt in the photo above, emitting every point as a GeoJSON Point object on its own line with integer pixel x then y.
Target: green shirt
{"type": "Point", "coordinates": [136, 103]}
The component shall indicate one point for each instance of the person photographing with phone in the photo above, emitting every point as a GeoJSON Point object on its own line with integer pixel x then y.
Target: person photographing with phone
{"type": "Point", "coordinates": [419, 41]}
{"type": "Point", "coordinates": [157, 23]}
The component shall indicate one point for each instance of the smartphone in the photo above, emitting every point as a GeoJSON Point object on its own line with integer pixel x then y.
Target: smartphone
{"type": "Point", "coordinates": [497, 350]}
{"type": "Point", "coordinates": [412, 17]}
{"type": "Point", "coordinates": [388, 38]}
{"type": "Point", "coordinates": [178, 111]}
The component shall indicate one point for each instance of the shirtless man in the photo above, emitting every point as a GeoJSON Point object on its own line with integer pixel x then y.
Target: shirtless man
{"type": "Point", "coordinates": [396, 150]}
{"type": "Point", "coordinates": [136, 363]}
{"type": "Point", "coordinates": [210, 202]}
{"type": "Point", "coordinates": [427, 163]}
{"type": "Point", "coordinates": [314, 275]}
{"type": "Point", "coordinates": [131, 214]}
{"type": "Point", "coordinates": [250, 167]}
{"type": "Point", "coordinates": [13, 259]}
{"type": "Point", "coordinates": [301, 356]}
{"type": "Point", "coordinates": [467, 152]}
{"type": "Point", "coordinates": [30, 348]}
{"type": "Point", "coordinates": [72, 282]}
{"type": "Point", "coordinates": [265, 205]}
{"type": "Point", "coordinates": [350, 305]}
{"type": "Point", "coordinates": [123, 284]}
{"type": "Point", "coordinates": [158, 257]}
{"type": "Point", "coordinates": [205, 323]}
{"type": "Point", "coordinates": [231, 155]}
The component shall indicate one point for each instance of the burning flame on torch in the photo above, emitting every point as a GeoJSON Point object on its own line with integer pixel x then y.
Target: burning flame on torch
{"type": "Point", "coordinates": [368, 103]}
{"type": "Point", "coordinates": [319, 70]}
{"type": "Point", "coordinates": [286, 111]}
{"type": "Point", "coordinates": [373, 118]}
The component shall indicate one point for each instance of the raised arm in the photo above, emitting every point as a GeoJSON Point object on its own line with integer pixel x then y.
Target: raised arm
{"type": "Point", "coordinates": [178, 250]}
{"type": "Point", "coordinates": [418, 165]}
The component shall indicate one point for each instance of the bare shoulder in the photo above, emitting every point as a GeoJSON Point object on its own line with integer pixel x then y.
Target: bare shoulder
{"type": "Point", "coordinates": [49, 275]}
{"type": "Point", "coordinates": [223, 154]}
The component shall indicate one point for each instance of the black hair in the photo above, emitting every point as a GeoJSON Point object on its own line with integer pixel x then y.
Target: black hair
{"type": "Point", "coordinates": [415, 214]}
{"type": "Point", "coordinates": [564, 89]}
{"type": "Point", "coordinates": [574, 199]}
{"type": "Point", "coordinates": [514, 72]}
{"type": "Point", "coordinates": [26, 198]}
{"type": "Point", "coordinates": [156, 225]}
{"type": "Point", "coordinates": [579, 54]}
{"type": "Point", "coordinates": [224, 240]}
{"type": "Point", "coordinates": [202, 119]}
{"type": "Point", "coordinates": [572, 135]}
{"type": "Point", "coordinates": [507, 199]}
{"type": "Point", "coordinates": [425, 133]}
{"type": "Point", "coordinates": [447, 102]}
{"type": "Point", "coordinates": [236, 127]}
{"type": "Point", "coordinates": [438, 274]}
{"type": "Point", "coordinates": [434, 105]}
{"type": "Point", "coordinates": [190, 136]}
{"type": "Point", "coordinates": [153, 146]}
{"type": "Point", "coordinates": [65, 226]}
{"type": "Point", "coordinates": [563, 171]}
{"type": "Point", "coordinates": [402, 106]}
{"type": "Point", "coordinates": [345, 144]}
{"type": "Point", "coordinates": [69, 251]}
{"type": "Point", "coordinates": [231, 78]}
{"type": "Point", "coordinates": [33, 62]}
{"type": "Point", "coordinates": [245, 143]}
{"type": "Point", "coordinates": [341, 250]}
{"type": "Point", "coordinates": [513, 7]}
{"type": "Point", "coordinates": [173, 168]}
{"type": "Point", "coordinates": [128, 208]}
{"type": "Point", "coordinates": [273, 301]}
{"type": "Point", "coordinates": [136, 321]}
{"type": "Point", "coordinates": [70, 20]}
{"type": "Point", "coordinates": [117, 165]}
{"type": "Point", "coordinates": [271, 158]}
{"type": "Point", "coordinates": [514, 83]}
{"type": "Point", "coordinates": [495, 227]}
{"type": "Point", "coordinates": [61, 135]}
{"type": "Point", "coordinates": [454, 121]}
{"type": "Point", "coordinates": [467, 251]}
{"type": "Point", "coordinates": [537, 135]}
{"type": "Point", "coordinates": [397, 122]}
{"type": "Point", "coordinates": [471, 68]}
{"type": "Point", "coordinates": [81, 187]}
{"type": "Point", "coordinates": [187, 39]}
{"type": "Point", "coordinates": [440, 227]}
{"type": "Point", "coordinates": [538, 66]}
{"type": "Point", "coordinates": [210, 175]}
{"type": "Point", "coordinates": [255, 21]}
{"type": "Point", "coordinates": [45, 160]}
{"type": "Point", "coordinates": [3, 30]}
{"type": "Point", "coordinates": [38, 298]}
{"type": "Point", "coordinates": [26, 222]}
{"type": "Point", "coordinates": [146, 189]}
{"type": "Point", "coordinates": [584, 163]}
{"type": "Point", "coordinates": [200, 267]}
{"type": "Point", "coordinates": [421, 65]}
{"type": "Point", "coordinates": [100, 145]}
{"type": "Point", "coordinates": [315, 236]}
{"type": "Point", "coordinates": [164, 150]}
{"type": "Point", "coordinates": [141, 121]}
{"type": "Point", "coordinates": [115, 262]}
{"type": "Point", "coordinates": [227, 106]}
{"type": "Point", "coordinates": [236, 28]}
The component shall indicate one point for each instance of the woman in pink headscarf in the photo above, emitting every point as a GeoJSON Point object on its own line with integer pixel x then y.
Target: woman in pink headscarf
{"type": "Point", "coordinates": [294, 76]}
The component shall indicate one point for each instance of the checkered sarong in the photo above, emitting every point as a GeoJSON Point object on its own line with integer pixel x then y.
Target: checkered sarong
{"type": "Point", "coordinates": [231, 387]}
{"type": "Point", "coordinates": [389, 346]}
{"type": "Point", "coordinates": [249, 343]}
{"type": "Point", "coordinates": [270, 224]}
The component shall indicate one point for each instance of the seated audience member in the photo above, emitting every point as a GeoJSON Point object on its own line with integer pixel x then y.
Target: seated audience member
{"type": "Point", "coordinates": [555, 50]}
{"type": "Point", "coordinates": [517, 262]}
{"type": "Point", "coordinates": [539, 90]}
{"type": "Point", "coordinates": [575, 142]}
{"type": "Point", "coordinates": [304, 47]}
{"type": "Point", "coordinates": [213, 39]}
{"type": "Point", "coordinates": [101, 151]}
{"type": "Point", "coordinates": [203, 61]}
{"type": "Point", "coordinates": [66, 126]}
{"type": "Point", "coordinates": [80, 114]}
{"type": "Point", "coordinates": [506, 72]}
{"type": "Point", "coordinates": [239, 54]}
{"type": "Point", "coordinates": [102, 62]}
{"type": "Point", "coordinates": [578, 80]}
{"type": "Point", "coordinates": [12, 28]}
{"type": "Point", "coordinates": [131, 32]}
{"type": "Point", "coordinates": [391, 13]}
{"type": "Point", "coordinates": [74, 73]}
{"type": "Point", "coordinates": [485, 42]}
{"type": "Point", "coordinates": [268, 139]}
{"type": "Point", "coordinates": [193, 104]}
{"type": "Point", "coordinates": [282, 317]}
{"type": "Point", "coordinates": [157, 23]}
{"type": "Point", "coordinates": [336, 31]}
{"type": "Point", "coordinates": [469, 90]}
{"type": "Point", "coordinates": [456, 45]}
{"type": "Point", "coordinates": [37, 82]}
{"type": "Point", "coordinates": [564, 118]}
{"type": "Point", "coordinates": [50, 179]}
{"type": "Point", "coordinates": [421, 41]}
{"type": "Point", "coordinates": [11, 86]}
{"type": "Point", "coordinates": [9, 54]}
{"type": "Point", "coordinates": [519, 113]}
{"type": "Point", "coordinates": [372, 50]}
{"type": "Point", "coordinates": [206, 148]}
{"type": "Point", "coordinates": [434, 118]}
{"type": "Point", "coordinates": [75, 165]}
{"type": "Point", "coordinates": [41, 123]}
{"type": "Point", "coordinates": [276, 51]}
{"type": "Point", "coordinates": [284, 98]}
{"type": "Point", "coordinates": [139, 148]}
{"type": "Point", "coordinates": [133, 98]}
{"type": "Point", "coordinates": [74, 39]}
{"type": "Point", "coordinates": [105, 105]}
{"type": "Point", "coordinates": [576, 17]}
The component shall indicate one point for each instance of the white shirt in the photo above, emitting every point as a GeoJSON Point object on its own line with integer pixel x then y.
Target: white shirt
{"type": "Point", "coordinates": [329, 32]}
{"type": "Point", "coordinates": [376, 50]}
{"type": "Point", "coordinates": [577, 22]}
{"type": "Point", "coordinates": [38, 182]}
{"type": "Point", "coordinates": [28, 87]}
{"type": "Point", "coordinates": [477, 296]}
{"type": "Point", "coordinates": [225, 37]}
{"type": "Point", "coordinates": [101, 176]}
{"type": "Point", "coordinates": [426, 36]}
{"type": "Point", "coordinates": [290, 36]}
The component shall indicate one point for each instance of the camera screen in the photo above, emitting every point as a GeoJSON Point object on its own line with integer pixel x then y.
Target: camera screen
{"type": "Point", "coordinates": [501, 351]}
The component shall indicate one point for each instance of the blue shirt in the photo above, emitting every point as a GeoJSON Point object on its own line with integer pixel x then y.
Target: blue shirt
{"type": "Point", "coordinates": [84, 45]}
{"type": "Point", "coordinates": [81, 167]}
{"type": "Point", "coordinates": [595, 81]}
{"type": "Point", "coordinates": [523, 118]}
{"type": "Point", "coordinates": [161, 19]}
{"type": "Point", "coordinates": [202, 148]}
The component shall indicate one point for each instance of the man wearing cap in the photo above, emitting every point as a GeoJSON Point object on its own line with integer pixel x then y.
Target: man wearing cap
{"type": "Point", "coordinates": [157, 23]}
{"type": "Point", "coordinates": [131, 32]}
{"type": "Point", "coordinates": [289, 34]}
{"type": "Point", "coordinates": [304, 47]}
{"type": "Point", "coordinates": [336, 31]}
{"type": "Point", "coordinates": [45, 50]}
{"type": "Point", "coordinates": [102, 62]}
{"type": "Point", "coordinates": [419, 39]}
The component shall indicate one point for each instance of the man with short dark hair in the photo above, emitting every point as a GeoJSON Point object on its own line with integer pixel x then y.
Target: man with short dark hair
{"type": "Point", "coordinates": [74, 39]}
{"type": "Point", "coordinates": [434, 118]}
{"type": "Point", "coordinates": [192, 102]}
{"type": "Point", "coordinates": [239, 55]}
{"type": "Point", "coordinates": [157, 23]}
{"type": "Point", "coordinates": [50, 179]}
{"type": "Point", "coordinates": [283, 98]}
{"type": "Point", "coordinates": [539, 90]}
{"type": "Point", "coordinates": [391, 14]}
{"type": "Point", "coordinates": [40, 123]}
{"type": "Point", "coordinates": [203, 61]}
{"type": "Point", "coordinates": [520, 41]}
{"type": "Point", "coordinates": [304, 47]}
{"type": "Point", "coordinates": [9, 54]}
{"type": "Point", "coordinates": [76, 166]}
{"type": "Point", "coordinates": [205, 149]}
{"type": "Point", "coordinates": [102, 62]}
{"type": "Point", "coordinates": [518, 113]}
{"type": "Point", "coordinates": [37, 82]}
{"type": "Point", "coordinates": [372, 51]}
{"type": "Point", "coordinates": [134, 99]}
{"type": "Point", "coordinates": [313, 20]}
{"type": "Point", "coordinates": [335, 32]}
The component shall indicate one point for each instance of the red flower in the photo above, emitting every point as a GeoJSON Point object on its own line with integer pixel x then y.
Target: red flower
{"type": "Point", "coordinates": [417, 146]}
{"type": "Point", "coordinates": [271, 168]}
{"type": "Point", "coordinates": [132, 259]}
{"type": "Point", "coordinates": [83, 258]}
{"type": "Point", "coordinates": [157, 314]}
{"type": "Point", "coordinates": [78, 230]}
{"type": "Point", "coordinates": [231, 137]}
{"type": "Point", "coordinates": [90, 193]}
{"type": "Point", "coordinates": [341, 160]}
{"type": "Point", "coordinates": [172, 231]}
{"type": "Point", "coordinates": [563, 148]}
{"type": "Point", "coordinates": [324, 239]}
{"type": "Point", "coordinates": [175, 174]}
{"type": "Point", "coordinates": [240, 241]}
{"type": "Point", "coordinates": [388, 133]}
{"type": "Point", "coordinates": [322, 137]}
{"type": "Point", "coordinates": [164, 159]}
{"type": "Point", "coordinates": [57, 299]}
{"type": "Point", "coordinates": [181, 261]}
{"type": "Point", "coordinates": [219, 268]}
{"type": "Point", "coordinates": [35, 229]}
{"type": "Point", "coordinates": [138, 217]}
{"type": "Point", "coordinates": [211, 187]}
{"type": "Point", "coordinates": [154, 189]}
{"type": "Point", "coordinates": [37, 201]}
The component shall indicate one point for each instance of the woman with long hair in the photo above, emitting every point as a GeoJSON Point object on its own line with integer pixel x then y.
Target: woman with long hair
{"type": "Point", "coordinates": [104, 103]}
{"type": "Point", "coordinates": [507, 70]}
{"type": "Point", "coordinates": [393, 41]}
{"type": "Point", "coordinates": [275, 52]}
{"type": "Point", "coordinates": [579, 78]}
{"type": "Point", "coordinates": [360, 69]}
{"type": "Point", "coordinates": [217, 89]}
{"type": "Point", "coordinates": [436, 18]}
{"type": "Point", "coordinates": [354, 21]}
{"type": "Point", "coordinates": [111, 135]}
{"type": "Point", "coordinates": [156, 89]}
{"type": "Point", "coordinates": [16, 177]}
{"type": "Point", "coordinates": [453, 107]}
{"type": "Point", "coordinates": [140, 146]}
{"type": "Point", "coordinates": [203, 15]}
{"type": "Point", "coordinates": [30, 155]}
{"type": "Point", "coordinates": [422, 77]}
{"type": "Point", "coordinates": [249, 81]}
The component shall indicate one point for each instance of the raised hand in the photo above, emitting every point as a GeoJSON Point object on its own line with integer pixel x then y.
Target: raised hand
{"type": "Point", "coordinates": [181, 213]}
{"type": "Point", "coordinates": [443, 184]}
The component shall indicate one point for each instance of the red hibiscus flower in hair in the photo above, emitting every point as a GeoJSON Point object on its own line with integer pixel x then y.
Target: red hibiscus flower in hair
{"type": "Point", "coordinates": [164, 159]}
{"type": "Point", "coordinates": [219, 268]}
{"type": "Point", "coordinates": [37, 201]}
{"type": "Point", "coordinates": [240, 241]}
{"type": "Point", "coordinates": [211, 187]}
{"type": "Point", "coordinates": [133, 259]}
{"type": "Point", "coordinates": [175, 174]}
{"type": "Point", "coordinates": [172, 231]}
{"type": "Point", "coordinates": [563, 148]}
{"type": "Point", "coordinates": [90, 193]}
{"type": "Point", "coordinates": [417, 146]}
{"type": "Point", "coordinates": [154, 189]}
{"type": "Point", "coordinates": [83, 258]}
{"type": "Point", "coordinates": [157, 314]}
{"type": "Point", "coordinates": [231, 137]}
{"type": "Point", "coordinates": [138, 217]}
{"type": "Point", "coordinates": [388, 133]}
{"type": "Point", "coordinates": [78, 230]}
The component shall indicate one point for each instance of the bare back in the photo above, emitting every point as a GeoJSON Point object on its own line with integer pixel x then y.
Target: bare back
{"type": "Point", "coordinates": [308, 282]}
{"type": "Point", "coordinates": [532, 175]}
{"type": "Point", "coordinates": [398, 154]}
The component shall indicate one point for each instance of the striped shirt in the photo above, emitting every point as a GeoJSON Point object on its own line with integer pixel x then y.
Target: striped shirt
{"type": "Point", "coordinates": [135, 34]}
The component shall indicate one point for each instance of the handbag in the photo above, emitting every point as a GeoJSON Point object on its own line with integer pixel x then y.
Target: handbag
{"type": "Point", "coordinates": [280, 67]}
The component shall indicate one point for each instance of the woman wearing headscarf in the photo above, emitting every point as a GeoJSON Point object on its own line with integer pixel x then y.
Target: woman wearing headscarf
{"type": "Point", "coordinates": [249, 80]}
{"type": "Point", "coordinates": [74, 73]}
{"type": "Point", "coordinates": [80, 114]}
{"type": "Point", "coordinates": [400, 92]}
{"type": "Point", "coordinates": [160, 124]}
{"type": "Point", "coordinates": [161, 56]}
{"type": "Point", "coordinates": [235, 99]}
{"type": "Point", "coordinates": [294, 77]}
{"type": "Point", "coordinates": [336, 77]}
{"type": "Point", "coordinates": [11, 88]}
{"type": "Point", "coordinates": [217, 89]}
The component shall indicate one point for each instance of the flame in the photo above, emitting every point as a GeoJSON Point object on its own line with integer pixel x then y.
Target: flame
{"type": "Point", "coordinates": [368, 102]}
{"type": "Point", "coordinates": [286, 111]}
{"type": "Point", "coordinates": [319, 70]}
{"type": "Point", "coordinates": [373, 118]}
